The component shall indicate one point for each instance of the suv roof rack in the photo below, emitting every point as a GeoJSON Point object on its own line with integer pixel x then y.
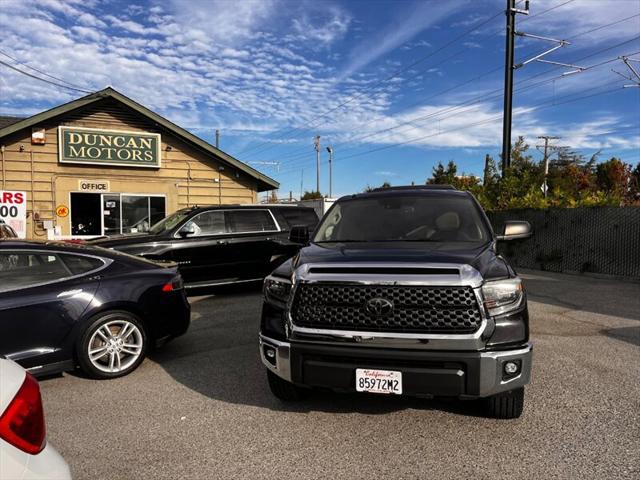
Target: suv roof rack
{"type": "Point", "coordinates": [415, 187]}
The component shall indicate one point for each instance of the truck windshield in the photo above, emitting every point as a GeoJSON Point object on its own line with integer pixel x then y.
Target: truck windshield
{"type": "Point", "coordinates": [167, 223]}
{"type": "Point", "coordinates": [404, 218]}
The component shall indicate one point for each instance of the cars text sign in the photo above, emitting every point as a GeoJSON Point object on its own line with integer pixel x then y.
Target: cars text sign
{"type": "Point", "coordinates": [13, 210]}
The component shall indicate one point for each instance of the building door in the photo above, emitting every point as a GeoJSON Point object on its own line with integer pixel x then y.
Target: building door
{"type": "Point", "coordinates": [85, 214]}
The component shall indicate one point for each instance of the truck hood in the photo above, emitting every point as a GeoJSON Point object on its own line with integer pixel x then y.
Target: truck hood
{"type": "Point", "coordinates": [482, 257]}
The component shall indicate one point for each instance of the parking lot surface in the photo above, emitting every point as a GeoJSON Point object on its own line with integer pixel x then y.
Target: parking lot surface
{"type": "Point", "coordinates": [201, 407]}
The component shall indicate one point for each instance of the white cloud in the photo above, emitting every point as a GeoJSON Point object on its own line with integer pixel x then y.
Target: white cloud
{"type": "Point", "coordinates": [399, 30]}
{"type": "Point", "coordinates": [323, 23]}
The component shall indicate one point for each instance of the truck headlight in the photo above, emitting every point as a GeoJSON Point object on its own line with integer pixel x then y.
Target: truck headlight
{"type": "Point", "coordinates": [502, 296]}
{"type": "Point", "coordinates": [277, 288]}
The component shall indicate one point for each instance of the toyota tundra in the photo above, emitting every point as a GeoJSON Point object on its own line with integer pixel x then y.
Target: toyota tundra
{"type": "Point", "coordinates": [400, 291]}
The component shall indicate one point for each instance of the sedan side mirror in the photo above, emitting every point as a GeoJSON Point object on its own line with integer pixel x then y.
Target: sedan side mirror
{"type": "Point", "coordinates": [299, 234]}
{"type": "Point", "coordinates": [514, 230]}
{"type": "Point", "coordinates": [186, 230]}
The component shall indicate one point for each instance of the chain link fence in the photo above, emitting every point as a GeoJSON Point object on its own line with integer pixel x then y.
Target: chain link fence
{"type": "Point", "coordinates": [601, 240]}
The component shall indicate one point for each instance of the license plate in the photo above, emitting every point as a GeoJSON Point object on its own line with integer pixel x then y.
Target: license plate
{"type": "Point", "coordinates": [378, 381]}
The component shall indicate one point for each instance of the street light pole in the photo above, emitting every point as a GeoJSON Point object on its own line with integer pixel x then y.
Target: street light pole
{"type": "Point", "coordinates": [330, 150]}
{"type": "Point", "coordinates": [316, 142]}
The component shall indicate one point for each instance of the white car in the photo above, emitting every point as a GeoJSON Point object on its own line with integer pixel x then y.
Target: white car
{"type": "Point", "coordinates": [24, 451]}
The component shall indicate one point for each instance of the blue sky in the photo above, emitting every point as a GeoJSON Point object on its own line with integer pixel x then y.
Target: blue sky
{"type": "Point", "coordinates": [370, 77]}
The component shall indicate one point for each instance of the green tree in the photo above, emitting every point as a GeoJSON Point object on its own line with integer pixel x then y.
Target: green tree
{"type": "Point", "coordinates": [311, 195]}
{"type": "Point", "coordinates": [443, 176]}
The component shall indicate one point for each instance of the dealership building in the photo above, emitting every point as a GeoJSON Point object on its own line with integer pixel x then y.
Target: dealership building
{"type": "Point", "coordinates": [104, 164]}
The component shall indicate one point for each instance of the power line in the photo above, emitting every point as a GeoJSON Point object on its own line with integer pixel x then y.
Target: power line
{"type": "Point", "coordinates": [386, 79]}
{"type": "Point", "coordinates": [39, 71]}
{"type": "Point", "coordinates": [481, 24]}
{"type": "Point", "coordinates": [473, 102]}
{"type": "Point", "coordinates": [300, 153]}
{"type": "Point", "coordinates": [43, 79]}
{"type": "Point", "coordinates": [551, 104]}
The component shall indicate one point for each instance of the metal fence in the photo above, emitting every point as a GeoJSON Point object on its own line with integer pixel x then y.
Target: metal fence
{"type": "Point", "coordinates": [601, 240]}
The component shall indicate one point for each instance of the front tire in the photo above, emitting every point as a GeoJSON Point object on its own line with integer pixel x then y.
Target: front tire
{"type": "Point", "coordinates": [113, 345]}
{"type": "Point", "coordinates": [506, 405]}
{"type": "Point", "coordinates": [285, 391]}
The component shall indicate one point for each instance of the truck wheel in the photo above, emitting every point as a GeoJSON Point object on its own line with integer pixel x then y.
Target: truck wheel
{"type": "Point", "coordinates": [285, 391]}
{"type": "Point", "coordinates": [506, 405]}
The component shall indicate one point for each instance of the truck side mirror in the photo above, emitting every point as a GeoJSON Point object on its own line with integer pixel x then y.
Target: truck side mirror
{"type": "Point", "coordinates": [514, 230]}
{"type": "Point", "coordinates": [299, 234]}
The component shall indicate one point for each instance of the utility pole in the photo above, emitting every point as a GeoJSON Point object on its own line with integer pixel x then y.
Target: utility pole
{"type": "Point", "coordinates": [508, 80]}
{"type": "Point", "coordinates": [330, 150]}
{"type": "Point", "coordinates": [485, 177]}
{"type": "Point", "coordinates": [217, 138]}
{"type": "Point", "coordinates": [546, 159]}
{"type": "Point", "coordinates": [301, 181]}
{"type": "Point", "coordinates": [316, 142]}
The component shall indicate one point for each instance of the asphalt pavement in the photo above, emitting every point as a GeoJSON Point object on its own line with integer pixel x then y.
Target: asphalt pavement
{"type": "Point", "coordinates": [200, 408]}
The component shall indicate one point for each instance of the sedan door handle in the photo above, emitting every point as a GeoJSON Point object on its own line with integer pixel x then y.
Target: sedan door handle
{"type": "Point", "coordinates": [223, 242]}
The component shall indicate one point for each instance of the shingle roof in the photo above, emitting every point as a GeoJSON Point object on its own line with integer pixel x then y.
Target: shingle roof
{"type": "Point", "coordinates": [5, 121]}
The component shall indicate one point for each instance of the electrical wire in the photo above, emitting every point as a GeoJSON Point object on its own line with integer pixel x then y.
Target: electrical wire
{"type": "Point", "coordinates": [483, 98]}
{"type": "Point", "coordinates": [481, 24]}
{"type": "Point", "coordinates": [304, 151]}
{"type": "Point", "coordinates": [43, 79]}
{"type": "Point", "coordinates": [551, 104]}
{"type": "Point", "coordinates": [39, 71]}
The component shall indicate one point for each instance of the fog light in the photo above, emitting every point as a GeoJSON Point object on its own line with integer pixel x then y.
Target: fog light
{"type": "Point", "coordinates": [270, 355]}
{"type": "Point", "coordinates": [511, 368]}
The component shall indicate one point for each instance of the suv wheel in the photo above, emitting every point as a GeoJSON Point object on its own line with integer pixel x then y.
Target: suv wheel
{"type": "Point", "coordinates": [285, 391]}
{"type": "Point", "coordinates": [506, 405]}
{"type": "Point", "coordinates": [112, 346]}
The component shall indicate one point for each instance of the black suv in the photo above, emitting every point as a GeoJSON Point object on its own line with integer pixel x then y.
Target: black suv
{"type": "Point", "coordinates": [401, 291]}
{"type": "Point", "coordinates": [220, 244]}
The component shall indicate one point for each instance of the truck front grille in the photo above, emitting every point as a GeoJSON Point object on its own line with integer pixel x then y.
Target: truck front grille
{"type": "Point", "coordinates": [384, 308]}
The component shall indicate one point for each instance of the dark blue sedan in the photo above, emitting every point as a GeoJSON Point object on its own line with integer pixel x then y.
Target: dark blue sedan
{"type": "Point", "coordinates": [66, 305]}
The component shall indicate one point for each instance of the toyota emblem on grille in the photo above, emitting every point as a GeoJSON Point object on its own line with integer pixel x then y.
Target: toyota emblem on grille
{"type": "Point", "coordinates": [379, 307]}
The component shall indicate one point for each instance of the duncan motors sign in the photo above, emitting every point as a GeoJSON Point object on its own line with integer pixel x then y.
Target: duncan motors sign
{"type": "Point", "coordinates": [13, 210]}
{"type": "Point", "coordinates": [108, 147]}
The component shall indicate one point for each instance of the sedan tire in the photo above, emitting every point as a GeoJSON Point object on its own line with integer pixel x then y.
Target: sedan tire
{"type": "Point", "coordinates": [113, 345]}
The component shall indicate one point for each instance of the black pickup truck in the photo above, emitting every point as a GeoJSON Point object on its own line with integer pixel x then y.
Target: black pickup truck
{"type": "Point", "coordinates": [220, 244]}
{"type": "Point", "coordinates": [401, 291]}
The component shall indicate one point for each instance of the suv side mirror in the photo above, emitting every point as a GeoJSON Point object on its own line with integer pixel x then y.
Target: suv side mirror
{"type": "Point", "coordinates": [187, 230]}
{"type": "Point", "coordinates": [299, 234]}
{"type": "Point", "coordinates": [515, 229]}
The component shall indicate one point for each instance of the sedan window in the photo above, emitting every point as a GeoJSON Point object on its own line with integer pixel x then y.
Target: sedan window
{"type": "Point", "coordinates": [246, 221]}
{"type": "Point", "coordinates": [80, 264]}
{"type": "Point", "coordinates": [23, 270]}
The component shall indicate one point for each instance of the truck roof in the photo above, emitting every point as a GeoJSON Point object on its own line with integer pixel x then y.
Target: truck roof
{"type": "Point", "coordinates": [432, 190]}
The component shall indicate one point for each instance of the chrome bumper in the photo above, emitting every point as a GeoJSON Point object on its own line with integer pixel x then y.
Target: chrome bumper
{"type": "Point", "coordinates": [491, 365]}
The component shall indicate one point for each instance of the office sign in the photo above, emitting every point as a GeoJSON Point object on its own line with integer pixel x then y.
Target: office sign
{"type": "Point", "coordinates": [108, 147]}
{"type": "Point", "coordinates": [13, 210]}
{"type": "Point", "coordinates": [94, 186]}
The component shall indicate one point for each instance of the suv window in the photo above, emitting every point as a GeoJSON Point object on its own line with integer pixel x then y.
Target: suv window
{"type": "Point", "coordinates": [22, 270]}
{"type": "Point", "coordinates": [245, 221]}
{"type": "Point", "coordinates": [208, 223]}
{"type": "Point", "coordinates": [299, 216]}
{"type": "Point", "coordinates": [79, 264]}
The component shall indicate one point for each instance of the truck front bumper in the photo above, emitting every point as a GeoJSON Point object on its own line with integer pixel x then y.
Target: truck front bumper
{"type": "Point", "coordinates": [425, 372]}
